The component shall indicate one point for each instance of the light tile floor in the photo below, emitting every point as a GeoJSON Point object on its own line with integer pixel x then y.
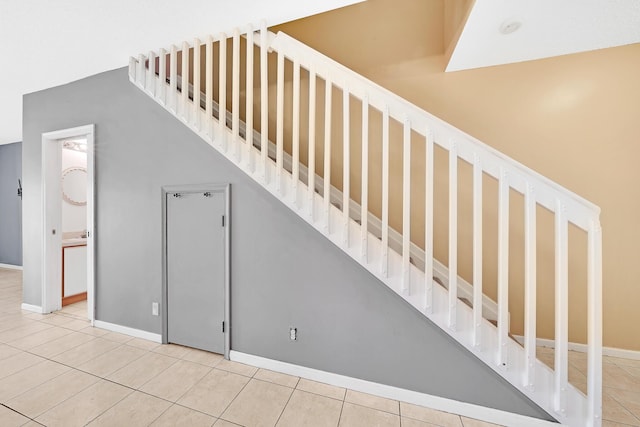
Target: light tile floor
{"type": "Point", "coordinates": [56, 370]}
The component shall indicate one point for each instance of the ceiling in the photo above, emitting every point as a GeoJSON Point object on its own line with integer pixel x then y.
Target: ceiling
{"type": "Point", "coordinates": [506, 31]}
{"type": "Point", "coordinates": [48, 43]}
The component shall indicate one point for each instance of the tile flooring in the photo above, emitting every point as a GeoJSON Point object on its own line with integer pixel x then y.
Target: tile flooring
{"type": "Point", "coordinates": [56, 370]}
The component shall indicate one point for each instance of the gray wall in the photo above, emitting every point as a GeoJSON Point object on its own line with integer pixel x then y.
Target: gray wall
{"type": "Point", "coordinates": [10, 204]}
{"type": "Point", "coordinates": [283, 272]}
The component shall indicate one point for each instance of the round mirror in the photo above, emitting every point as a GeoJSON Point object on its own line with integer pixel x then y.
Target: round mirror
{"type": "Point", "coordinates": [74, 186]}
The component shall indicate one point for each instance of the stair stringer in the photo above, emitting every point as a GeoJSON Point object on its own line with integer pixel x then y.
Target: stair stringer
{"type": "Point", "coordinates": [231, 147]}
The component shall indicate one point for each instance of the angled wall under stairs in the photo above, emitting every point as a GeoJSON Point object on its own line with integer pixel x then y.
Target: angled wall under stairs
{"type": "Point", "coordinates": [284, 272]}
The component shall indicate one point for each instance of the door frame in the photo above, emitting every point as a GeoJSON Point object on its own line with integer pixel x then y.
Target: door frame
{"type": "Point", "coordinates": [225, 189]}
{"type": "Point", "coordinates": [52, 217]}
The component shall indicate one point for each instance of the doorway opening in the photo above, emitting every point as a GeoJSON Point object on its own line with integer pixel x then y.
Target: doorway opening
{"type": "Point", "coordinates": [68, 264]}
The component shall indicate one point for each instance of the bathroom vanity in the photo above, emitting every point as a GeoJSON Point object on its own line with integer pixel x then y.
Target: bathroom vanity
{"type": "Point", "coordinates": [74, 270]}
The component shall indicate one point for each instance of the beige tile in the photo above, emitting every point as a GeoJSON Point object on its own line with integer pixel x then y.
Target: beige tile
{"type": "Point", "coordinates": [614, 376]}
{"type": "Point", "coordinates": [18, 362]}
{"type": "Point", "coordinates": [51, 393]}
{"type": "Point", "coordinates": [142, 344]}
{"type": "Point", "coordinates": [622, 362]}
{"type": "Point", "coordinates": [85, 352]}
{"type": "Point", "coordinates": [60, 345]}
{"type": "Point", "coordinates": [76, 324]}
{"type": "Point", "coordinates": [93, 331]}
{"type": "Point", "coordinates": [225, 423]}
{"type": "Point", "coordinates": [7, 351]}
{"type": "Point", "coordinates": [202, 357]}
{"type": "Point", "coordinates": [213, 393]}
{"type": "Point", "coordinates": [237, 368]}
{"type": "Point", "coordinates": [85, 406]}
{"type": "Point", "coordinates": [56, 320]}
{"type": "Point", "coordinates": [470, 422]}
{"type": "Point", "coordinates": [179, 416]}
{"type": "Point", "coordinates": [9, 418]}
{"type": "Point", "coordinates": [140, 371]}
{"type": "Point", "coordinates": [359, 416]}
{"type": "Point", "coordinates": [607, 423]}
{"type": "Point", "coordinates": [421, 413]}
{"type": "Point", "coordinates": [116, 337]}
{"type": "Point", "coordinates": [612, 410]}
{"type": "Point", "coordinates": [21, 381]}
{"type": "Point", "coordinates": [374, 402]}
{"type": "Point", "coordinates": [258, 404]}
{"type": "Point", "coordinates": [277, 378]}
{"type": "Point", "coordinates": [633, 371]}
{"type": "Point", "coordinates": [175, 380]}
{"type": "Point", "coordinates": [321, 389]}
{"type": "Point", "coordinates": [172, 350]}
{"type": "Point", "coordinates": [137, 409]}
{"type": "Point", "coordinates": [112, 360]}
{"type": "Point", "coordinates": [308, 409]}
{"type": "Point", "coordinates": [34, 340]}
{"type": "Point", "coordinates": [408, 422]}
{"type": "Point", "coordinates": [16, 333]}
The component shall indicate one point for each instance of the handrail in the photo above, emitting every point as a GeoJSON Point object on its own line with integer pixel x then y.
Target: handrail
{"type": "Point", "coordinates": [424, 123]}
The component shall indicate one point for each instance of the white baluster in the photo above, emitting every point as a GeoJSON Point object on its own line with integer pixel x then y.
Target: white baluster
{"type": "Point", "coordinates": [311, 176]}
{"type": "Point", "coordinates": [295, 167]}
{"type": "Point", "coordinates": [280, 123]}
{"type": "Point", "coordinates": [406, 208]}
{"type": "Point", "coordinates": [162, 77]}
{"type": "Point", "coordinates": [173, 78]}
{"type": "Point", "coordinates": [196, 84]}
{"type": "Point", "coordinates": [222, 88]}
{"type": "Point", "coordinates": [453, 237]}
{"type": "Point", "coordinates": [184, 105]}
{"type": "Point", "coordinates": [209, 87]}
{"type": "Point", "coordinates": [364, 194]}
{"type": "Point", "coordinates": [346, 167]}
{"type": "Point", "coordinates": [249, 103]}
{"type": "Point", "coordinates": [562, 309]}
{"type": "Point", "coordinates": [429, 176]}
{"type": "Point", "coordinates": [477, 251]}
{"type": "Point", "coordinates": [503, 269]}
{"type": "Point", "coordinates": [264, 101]}
{"type": "Point", "coordinates": [384, 267]}
{"type": "Point", "coordinates": [235, 95]}
{"type": "Point", "coordinates": [142, 72]}
{"type": "Point", "coordinates": [594, 328]}
{"type": "Point", "coordinates": [133, 65]}
{"type": "Point", "coordinates": [151, 74]}
{"type": "Point", "coordinates": [530, 282]}
{"type": "Point", "coordinates": [327, 154]}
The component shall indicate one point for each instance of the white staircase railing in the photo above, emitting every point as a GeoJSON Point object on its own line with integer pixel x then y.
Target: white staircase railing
{"type": "Point", "coordinates": [193, 82]}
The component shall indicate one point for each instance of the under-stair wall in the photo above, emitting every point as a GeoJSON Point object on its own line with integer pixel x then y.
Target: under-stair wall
{"type": "Point", "coordinates": [284, 272]}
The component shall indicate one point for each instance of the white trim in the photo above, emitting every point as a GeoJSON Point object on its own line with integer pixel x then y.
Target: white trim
{"type": "Point", "coordinates": [11, 266]}
{"type": "Point", "coordinates": [138, 333]}
{"type": "Point", "coordinates": [582, 348]}
{"type": "Point", "coordinates": [29, 307]}
{"type": "Point", "coordinates": [435, 402]}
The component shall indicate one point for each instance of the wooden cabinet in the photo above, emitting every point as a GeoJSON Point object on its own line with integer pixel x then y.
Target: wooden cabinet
{"type": "Point", "coordinates": [74, 274]}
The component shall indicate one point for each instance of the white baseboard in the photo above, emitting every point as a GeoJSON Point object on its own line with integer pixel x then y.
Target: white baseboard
{"type": "Point", "coordinates": [138, 333]}
{"type": "Point", "coordinates": [439, 403]}
{"type": "Point", "coordinates": [582, 348]}
{"type": "Point", "coordinates": [11, 266]}
{"type": "Point", "coordinates": [29, 307]}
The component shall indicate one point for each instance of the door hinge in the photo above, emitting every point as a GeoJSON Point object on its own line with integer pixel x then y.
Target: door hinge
{"type": "Point", "coordinates": [223, 220]}
{"type": "Point", "coordinates": [223, 326]}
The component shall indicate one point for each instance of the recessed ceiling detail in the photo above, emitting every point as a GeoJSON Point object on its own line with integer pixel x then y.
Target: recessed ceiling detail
{"type": "Point", "coordinates": [505, 31]}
